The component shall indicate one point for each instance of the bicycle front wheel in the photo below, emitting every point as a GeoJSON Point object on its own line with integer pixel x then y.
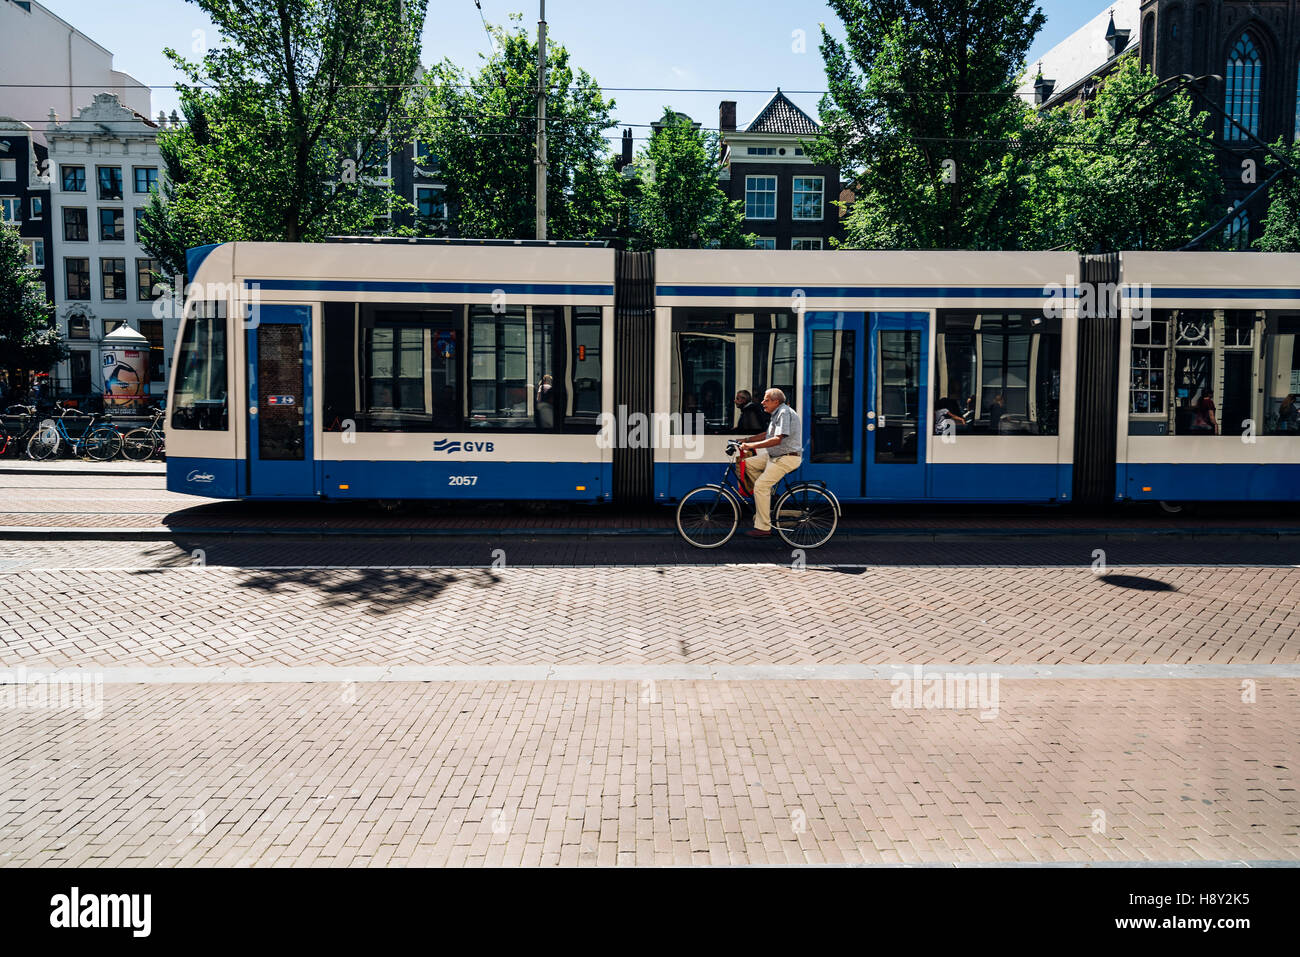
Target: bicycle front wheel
{"type": "Point", "coordinates": [707, 517]}
{"type": "Point", "coordinates": [43, 444]}
{"type": "Point", "coordinates": [806, 517]}
{"type": "Point", "coordinates": [137, 445]}
{"type": "Point", "coordinates": [103, 443]}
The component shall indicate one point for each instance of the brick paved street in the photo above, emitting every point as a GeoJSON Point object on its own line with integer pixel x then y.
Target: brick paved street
{"type": "Point", "coordinates": [1118, 689]}
{"type": "Point", "coordinates": [694, 772]}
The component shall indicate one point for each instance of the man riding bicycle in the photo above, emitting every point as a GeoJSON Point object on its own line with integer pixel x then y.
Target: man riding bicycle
{"type": "Point", "coordinates": [783, 443]}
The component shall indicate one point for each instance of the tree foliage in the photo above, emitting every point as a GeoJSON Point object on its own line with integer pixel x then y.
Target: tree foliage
{"type": "Point", "coordinates": [918, 115]}
{"type": "Point", "coordinates": [482, 128]}
{"type": "Point", "coordinates": [1127, 170]}
{"type": "Point", "coordinates": [28, 339]}
{"type": "Point", "coordinates": [678, 204]}
{"type": "Point", "coordinates": [289, 121]}
{"type": "Point", "coordinates": [1282, 223]}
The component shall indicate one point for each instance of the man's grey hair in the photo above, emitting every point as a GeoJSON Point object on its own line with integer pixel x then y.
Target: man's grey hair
{"type": "Point", "coordinates": [780, 396]}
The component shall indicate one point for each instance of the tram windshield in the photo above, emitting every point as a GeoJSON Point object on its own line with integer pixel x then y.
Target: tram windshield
{"type": "Point", "coordinates": [200, 399]}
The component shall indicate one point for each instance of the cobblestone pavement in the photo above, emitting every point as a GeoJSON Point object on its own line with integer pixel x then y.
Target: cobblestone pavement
{"type": "Point", "coordinates": [1145, 714]}
{"type": "Point", "coordinates": [574, 773]}
{"type": "Point", "coordinates": [225, 616]}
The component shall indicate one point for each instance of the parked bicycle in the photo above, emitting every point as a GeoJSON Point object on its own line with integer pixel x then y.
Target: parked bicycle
{"type": "Point", "coordinates": [97, 439]}
{"type": "Point", "coordinates": [145, 442]}
{"type": "Point", "coordinates": [805, 516]}
{"type": "Point", "coordinates": [16, 428]}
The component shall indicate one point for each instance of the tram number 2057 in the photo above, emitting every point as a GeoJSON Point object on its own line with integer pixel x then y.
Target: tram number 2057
{"type": "Point", "coordinates": [462, 479]}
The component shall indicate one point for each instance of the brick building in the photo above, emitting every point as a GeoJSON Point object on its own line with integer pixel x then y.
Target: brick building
{"type": "Point", "coordinates": [789, 199]}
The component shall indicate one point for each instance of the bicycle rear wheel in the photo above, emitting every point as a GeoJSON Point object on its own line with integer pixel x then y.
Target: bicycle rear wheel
{"type": "Point", "coordinates": [707, 517]}
{"type": "Point", "coordinates": [102, 443]}
{"type": "Point", "coordinates": [806, 517]}
{"type": "Point", "coordinates": [43, 444]}
{"type": "Point", "coordinates": [138, 445]}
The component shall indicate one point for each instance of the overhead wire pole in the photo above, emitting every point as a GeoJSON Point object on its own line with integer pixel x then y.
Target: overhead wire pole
{"type": "Point", "coordinates": [541, 122]}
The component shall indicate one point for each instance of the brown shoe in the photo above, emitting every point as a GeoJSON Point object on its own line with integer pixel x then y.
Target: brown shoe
{"type": "Point", "coordinates": [757, 533]}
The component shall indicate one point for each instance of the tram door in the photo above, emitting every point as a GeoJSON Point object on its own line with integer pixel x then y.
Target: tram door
{"type": "Point", "coordinates": [832, 406]}
{"type": "Point", "coordinates": [280, 457]}
{"type": "Point", "coordinates": [897, 374]}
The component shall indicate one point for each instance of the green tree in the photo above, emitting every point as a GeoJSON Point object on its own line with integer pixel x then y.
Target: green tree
{"type": "Point", "coordinates": [678, 204]}
{"type": "Point", "coordinates": [290, 120]}
{"type": "Point", "coordinates": [28, 339]}
{"type": "Point", "coordinates": [1282, 222]}
{"type": "Point", "coordinates": [1128, 170]}
{"type": "Point", "coordinates": [919, 114]}
{"type": "Point", "coordinates": [482, 129]}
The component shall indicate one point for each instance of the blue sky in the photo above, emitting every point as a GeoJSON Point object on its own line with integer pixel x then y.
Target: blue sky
{"type": "Point", "coordinates": [734, 45]}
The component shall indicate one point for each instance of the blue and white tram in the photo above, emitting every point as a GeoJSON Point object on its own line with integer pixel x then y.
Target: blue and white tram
{"type": "Point", "coordinates": [1225, 325]}
{"type": "Point", "coordinates": [883, 337]}
{"type": "Point", "coordinates": [402, 371]}
{"type": "Point", "coordinates": [354, 371]}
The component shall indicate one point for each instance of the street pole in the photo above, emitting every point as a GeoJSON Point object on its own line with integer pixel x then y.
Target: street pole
{"type": "Point", "coordinates": [541, 122]}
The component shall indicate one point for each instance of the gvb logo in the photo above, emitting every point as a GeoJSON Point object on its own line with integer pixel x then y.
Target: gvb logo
{"type": "Point", "coordinates": [450, 445]}
{"type": "Point", "coordinates": [129, 911]}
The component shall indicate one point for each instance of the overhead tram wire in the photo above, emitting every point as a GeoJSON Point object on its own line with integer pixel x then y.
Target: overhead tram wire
{"type": "Point", "coordinates": [1113, 148]}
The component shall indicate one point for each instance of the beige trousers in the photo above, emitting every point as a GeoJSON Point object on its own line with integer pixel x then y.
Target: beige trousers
{"type": "Point", "coordinates": [772, 470]}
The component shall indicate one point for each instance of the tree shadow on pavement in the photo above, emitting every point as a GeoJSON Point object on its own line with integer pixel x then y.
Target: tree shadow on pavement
{"type": "Point", "coordinates": [375, 591]}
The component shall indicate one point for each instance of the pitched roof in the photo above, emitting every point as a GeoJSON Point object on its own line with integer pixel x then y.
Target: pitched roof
{"type": "Point", "coordinates": [782, 116]}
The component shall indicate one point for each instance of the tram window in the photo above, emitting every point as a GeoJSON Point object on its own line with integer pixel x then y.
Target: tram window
{"type": "Point", "coordinates": [585, 378]}
{"type": "Point", "coordinates": [1003, 370]}
{"type": "Point", "coordinates": [833, 380]}
{"type": "Point", "coordinates": [717, 352]}
{"type": "Point", "coordinates": [201, 386]}
{"type": "Point", "coordinates": [535, 368]}
{"type": "Point", "coordinates": [1281, 384]}
{"type": "Point", "coordinates": [391, 368]}
{"type": "Point", "coordinates": [403, 368]}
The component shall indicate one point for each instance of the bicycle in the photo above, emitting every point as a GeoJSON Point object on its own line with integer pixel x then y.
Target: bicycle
{"type": "Point", "coordinates": [146, 441]}
{"type": "Point", "coordinates": [806, 514]}
{"type": "Point", "coordinates": [99, 442]}
{"type": "Point", "coordinates": [15, 435]}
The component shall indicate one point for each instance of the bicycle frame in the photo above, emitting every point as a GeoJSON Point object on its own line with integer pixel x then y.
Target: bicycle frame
{"type": "Point", "coordinates": [730, 486]}
{"type": "Point", "coordinates": [78, 442]}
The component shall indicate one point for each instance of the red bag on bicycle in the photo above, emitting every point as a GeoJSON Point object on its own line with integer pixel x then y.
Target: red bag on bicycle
{"type": "Point", "coordinates": [742, 474]}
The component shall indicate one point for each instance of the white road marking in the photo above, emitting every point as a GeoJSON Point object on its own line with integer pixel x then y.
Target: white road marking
{"type": "Point", "coordinates": [281, 674]}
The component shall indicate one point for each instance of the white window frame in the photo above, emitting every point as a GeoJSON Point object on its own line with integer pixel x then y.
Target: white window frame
{"type": "Point", "coordinates": [134, 188]}
{"type": "Point", "coordinates": [795, 193]}
{"type": "Point", "coordinates": [37, 207]}
{"type": "Point", "coordinates": [821, 243]}
{"type": "Point", "coordinates": [121, 177]}
{"type": "Point", "coordinates": [415, 198]}
{"type": "Point", "coordinates": [775, 191]}
{"type": "Point", "coordinates": [12, 166]}
{"type": "Point", "coordinates": [767, 239]}
{"type": "Point", "coordinates": [85, 181]}
{"type": "Point", "coordinates": [35, 261]}
{"type": "Point", "coordinates": [415, 156]}
{"type": "Point", "coordinates": [14, 204]}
